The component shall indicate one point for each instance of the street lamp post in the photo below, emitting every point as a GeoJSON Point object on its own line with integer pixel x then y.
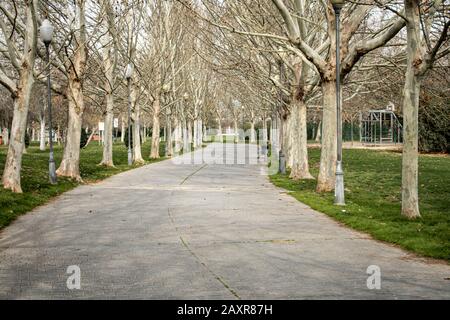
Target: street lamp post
{"type": "Point", "coordinates": [128, 74]}
{"type": "Point", "coordinates": [186, 145]}
{"type": "Point", "coordinates": [46, 33]}
{"type": "Point", "coordinates": [339, 198]}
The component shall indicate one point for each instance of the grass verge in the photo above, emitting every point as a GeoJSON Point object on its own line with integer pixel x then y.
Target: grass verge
{"type": "Point", "coordinates": [373, 199]}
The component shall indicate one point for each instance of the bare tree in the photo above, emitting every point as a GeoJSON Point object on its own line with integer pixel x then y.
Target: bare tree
{"type": "Point", "coordinates": [427, 31]}
{"type": "Point", "coordinates": [19, 84]}
{"type": "Point", "coordinates": [75, 66]}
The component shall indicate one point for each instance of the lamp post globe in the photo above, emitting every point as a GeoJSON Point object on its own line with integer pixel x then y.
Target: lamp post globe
{"type": "Point", "coordinates": [46, 32]}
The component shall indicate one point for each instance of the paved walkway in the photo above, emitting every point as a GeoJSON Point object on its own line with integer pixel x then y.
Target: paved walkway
{"type": "Point", "coordinates": [194, 231]}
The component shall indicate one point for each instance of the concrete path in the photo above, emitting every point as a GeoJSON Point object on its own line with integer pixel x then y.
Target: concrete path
{"type": "Point", "coordinates": [176, 230]}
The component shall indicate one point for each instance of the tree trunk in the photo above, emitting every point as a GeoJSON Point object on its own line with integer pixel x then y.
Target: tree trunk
{"type": "Point", "coordinates": [204, 132]}
{"type": "Point", "coordinates": [137, 154]}
{"type": "Point", "coordinates": [326, 179]}
{"type": "Point", "coordinates": [5, 136]}
{"type": "Point", "coordinates": [169, 143]}
{"type": "Point", "coordinates": [288, 136]}
{"type": "Point", "coordinates": [110, 57]}
{"type": "Point", "coordinates": [154, 153]}
{"type": "Point", "coordinates": [144, 133]}
{"type": "Point", "coordinates": [219, 133]}
{"type": "Point", "coordinates": [70, 164]}
{"type": "Point", "coordinates": [252, 131]}
{"type": "Point", "coordinates": [13, 163]}
{"type": "Point", "coordinates": [264, 132]}
{"type": "Point", "coordinates": [410, 196]}
{"type": "Point", "coordinates": [122, 129]}
{"type": "Point", "coordinates": [236, 132]}
{"type": "Point", "coordinates": [90, 137]}
{"type": "Point", "coordinates": [108, 132]}
{"type": "Point", "coordinates": [178, 136]}
{"type": "Point", "coordinates": [186, 143]}
{"type": "Point", "coordinates": [275, 134]}
{"type": "Point", "coordinates": [200, 132]}
{"type": "Point", "coordinates": [58, 135]}
{"type": "Point", "coordinates": [195, 137]}
{"type": "Point", "coordinates": [190, 137]}
{"type": "Point", "coordinates": [42, 133]}
{"type": "Point", "coordinates": [300, 166]}
{"type": "Point", "coordinates": [319, 132]}
{"type": "Point", "coordinates": [33, 133]}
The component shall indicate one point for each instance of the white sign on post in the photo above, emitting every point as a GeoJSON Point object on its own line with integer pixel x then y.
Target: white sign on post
{"type": "Point", "coordinates": [101, 126]}
{"type": "Point", "coordinates": [116, 122]}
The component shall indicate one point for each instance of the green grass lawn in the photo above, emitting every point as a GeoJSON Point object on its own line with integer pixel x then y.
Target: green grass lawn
{"type": "Point", "coordinates": [36, 188]}
{"type": "Point", "coordinates": [373, 199]}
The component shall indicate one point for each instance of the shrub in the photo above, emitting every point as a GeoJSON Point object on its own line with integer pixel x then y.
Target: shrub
{"type": "Point", "coordinates": [434, 128]}
{"type": "Point", "coordinates": [84, 138]}
{"type": "Point", "coordinates": [125, 140]}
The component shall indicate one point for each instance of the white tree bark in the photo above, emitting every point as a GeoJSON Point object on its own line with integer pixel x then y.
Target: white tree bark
{"type": "Point", "coordinates": [107, 159]}
{"type": "Point", "coordinates": [137, 154]}
{"type": "Point", "coordinates": [288, 138]}
{"type": "Point", "coordinates": [154, 153]}
{"type": "Point", "coordinates": [200, 132]}
{"type": "Point", "coordinates": [195, 137]}
{"type": "Point", "coordinates": [70, 164]}
{"type": "Point", "coordinates": [319, 132]}
{"type": "Point", "coordinates": [190, 137]}
{"type": "Point", "coordinates": [264, 136]}
{"type": "Point", "coordinates": [109, 65]}
{"type": "Point", "coordinates": [33, 133]}
{"type": "Point", "coordinates": [204, 136]}
{"type": "Point", "coordinates": [300, 166]}
{"type": "Point", "coordinates": [410, 166]}
{"type": "Point", "coordinates": [42, 132]}
{"type": "Point", "coordinates": [219, 131]}
{"type": "Point", "coordinates": [21, 97]}
{"type": "Point", "coordinates": [178, 136]}
{"type": "Point", "coordinates": [327, 170]}
{"type": "Point", "coordinates": [252, 131]}
{"type": "Point", "coordinates": [122, 129]}
{"type": "Point", "coordinates": [185, 136]}
{"type": "Point", "coordinates": [169, 144]}
{"type": "Point", "coordinates": [5, 136]}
